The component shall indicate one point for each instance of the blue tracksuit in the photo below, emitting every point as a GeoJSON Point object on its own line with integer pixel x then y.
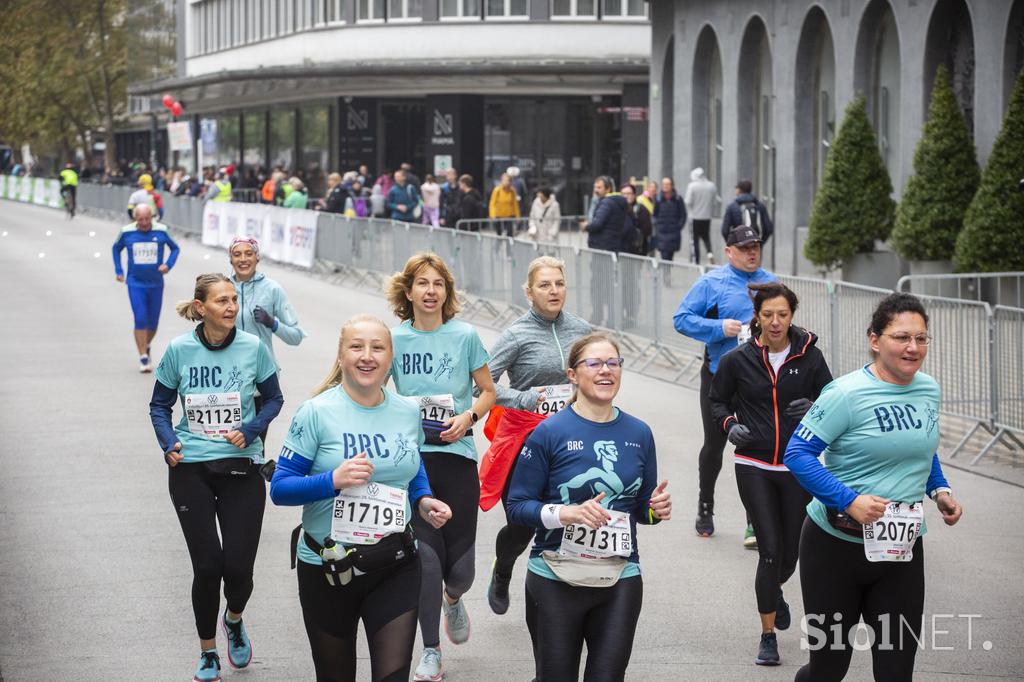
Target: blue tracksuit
{"type": "Point", "coordinates": [145, 281]}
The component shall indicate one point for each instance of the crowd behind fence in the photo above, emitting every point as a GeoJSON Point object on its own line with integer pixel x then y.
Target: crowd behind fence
{"type": "Point", "coordinates": [977, 355]}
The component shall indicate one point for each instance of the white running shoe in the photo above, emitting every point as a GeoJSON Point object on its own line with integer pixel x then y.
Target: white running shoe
{"type": "Point", "coordinates": [456, 620]}
{"type": "Point", "coordinates": [430, 668]}
{"type": "Point", "coordinates": [144, 365]}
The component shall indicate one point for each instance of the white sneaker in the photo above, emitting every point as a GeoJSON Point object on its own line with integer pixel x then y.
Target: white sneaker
{"type": "Point", "coordinates": [456, 620]}
{"type": "Point", "coordinates": [430, 668]}
{"type": "Point", "coordinates": [144, 365]}
{"type": "Point", "coordinates": [711, 258]}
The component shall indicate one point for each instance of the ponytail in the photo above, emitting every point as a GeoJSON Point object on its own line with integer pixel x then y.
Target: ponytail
{"type": "Point", "coordinates": [187, 309]}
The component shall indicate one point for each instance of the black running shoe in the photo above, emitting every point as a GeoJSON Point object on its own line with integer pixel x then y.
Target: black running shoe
{"type": "Point", "coordinates": [497, 591]}
{"type": "Point", "coordinates": [783, 619]}
{"type": "Point", "coordinates": [705, 525]}
{"type": "Point", "coordinates": [768, 651]}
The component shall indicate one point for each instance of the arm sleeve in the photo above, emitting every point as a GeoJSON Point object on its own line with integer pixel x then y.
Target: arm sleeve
{"type": "Point", "coordinates": [802, 459]}
{"type": "Point", "coordinates": [288, 329]}
{"type": "Point", "coordinates": [689, 319]}
{"type": "Point", "coordinates": [682, 212]}
{"type": "Point", "coordinates": [598, 223]}
{"type": "Point", "coordinates": [528, 481]}
{"type": "Point", "coordinates": [769, 226]}
{"type": "Point", "coordinates": [936, 479]}
{"type": "Point", "coordinates": [292, 485]}
{"type": "Point", "coordinates": [642, 514]}
{"type": "Point", "coordinates": [116, 251]}
{"type": "Point", "coordinates": [504, 355]}
{"type": "Point", "coordinates": [723, 386]}
{"type": "Point", "coordinates": [173, 258]}
{"type": "Point", "coordinates": [726, 222]}
{"type": "Point", "coordinates": [161, 407]}
{"type": "Point", "coordinates": [419, 487]}
{"type": "Point", "coordinates": [273, 399]}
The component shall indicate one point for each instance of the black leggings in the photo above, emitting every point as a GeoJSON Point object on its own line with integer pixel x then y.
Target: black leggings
{"type": "Point", "coordinates": [512, 539]}
{"type": "Point", "coordinates": [563, 617]}
{"type": "Point", "coordinates": [447, 554]}
{"type": "Point", "coordinates": [837, 579]}
{"type": "Point", "coordinates": [776, 506]}
{"type": "Point", "coordinates": [701, 231]}
{"type": "Point", "coordinates": [386, 603]}
{"type": "Point", "coordinates": [709, 463]}
{"type": "Point", "coordinates": [205, 494]}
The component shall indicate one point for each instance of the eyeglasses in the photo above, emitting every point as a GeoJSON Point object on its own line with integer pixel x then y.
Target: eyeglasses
{"type": "Point", "coordinates": [905, 339]}
{"type": "Point", "coordinates": [596, 363]}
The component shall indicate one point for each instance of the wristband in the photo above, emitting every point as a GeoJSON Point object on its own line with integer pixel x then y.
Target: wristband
{"type": "Point", "coordinates": [942, 489]}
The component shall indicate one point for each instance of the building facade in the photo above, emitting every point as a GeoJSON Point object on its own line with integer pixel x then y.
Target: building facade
{"type": "Point", "coordinates": [756, 88]}
{"type": "Point", "coordinates": [557, 88]}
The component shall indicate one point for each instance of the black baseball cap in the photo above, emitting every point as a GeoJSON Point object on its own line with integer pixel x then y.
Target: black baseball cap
{"type": "Point", "coordinates": [741, 235]}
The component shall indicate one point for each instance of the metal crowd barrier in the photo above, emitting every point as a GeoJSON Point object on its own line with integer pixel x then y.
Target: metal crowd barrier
{"type": "Point", "coordinates": [977, 355]}
{"type": "Point", "coordinates": [996, 288]}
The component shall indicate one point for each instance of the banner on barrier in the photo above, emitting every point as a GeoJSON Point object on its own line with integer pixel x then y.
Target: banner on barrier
{"type": "Point", "coordinates": [286, 235]}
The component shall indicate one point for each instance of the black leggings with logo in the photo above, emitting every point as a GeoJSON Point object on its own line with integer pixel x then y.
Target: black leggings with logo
{"type": "Point", "coordinates": [231, 493]}
{"type": "Point", "coordinates": [840, 586]}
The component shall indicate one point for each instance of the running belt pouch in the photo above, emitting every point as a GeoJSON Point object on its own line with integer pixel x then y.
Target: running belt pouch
{"type": "Point", "coordinates": [432, 432]}
{"type": "Point", "coordinates": [844, 523]}
{"type": "Point", "coordinates": [392, 550]}
{"type": "Point", "coordinates": [229, 466]}
{"type": "Point", "coordinates": [585, 572]}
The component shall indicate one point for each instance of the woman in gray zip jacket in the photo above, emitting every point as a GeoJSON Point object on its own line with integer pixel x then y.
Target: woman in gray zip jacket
{"type": "Point", "coordinates": [533, 352]}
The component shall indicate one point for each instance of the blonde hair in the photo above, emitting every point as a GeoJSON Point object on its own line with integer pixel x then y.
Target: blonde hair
{"type": "Point", "coordinates": [399, 286]}
{"type": "Point", "coordinates": [541, 262]}
{"type": "Point", "coordinates": [580, 345]}
{"type": "Point", "coordinates": [335, 377]}
{"type": "Point", "coordinates": [187, 309]}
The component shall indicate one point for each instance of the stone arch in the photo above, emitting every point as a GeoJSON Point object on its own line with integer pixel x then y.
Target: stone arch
{"type": "Point", "coordinates": [950, 41]}
{"type": "Point", "coordinates": [755, 105]}
{"type": "Point", "coordinates": [877, 76]}
{"type": "Point", "coordinates": [1014, 51]}
{"type": "Point", "coordinates": [815, 107]}
{"type": "Point", "coordinates": [707, 107]}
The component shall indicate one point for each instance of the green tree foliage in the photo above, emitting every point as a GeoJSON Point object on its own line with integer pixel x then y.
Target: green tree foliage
{"type": "Point", "coordinates": [931, 212]}
{"type": "Point", "coordinates": [993, 233]}
{"type": "Point", "coordinates": [853, 206]}
{"type": "Point", "coordinates": [63, 73]}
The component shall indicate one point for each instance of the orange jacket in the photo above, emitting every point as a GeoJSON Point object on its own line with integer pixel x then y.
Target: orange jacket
{"type": "Point", "coordinates": [508, 429]}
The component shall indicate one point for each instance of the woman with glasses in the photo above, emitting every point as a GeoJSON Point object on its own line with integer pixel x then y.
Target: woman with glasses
{"type": "Point", "coordinates": [861, 551]}
{"type": "Point", "coordinates": [586, 476]}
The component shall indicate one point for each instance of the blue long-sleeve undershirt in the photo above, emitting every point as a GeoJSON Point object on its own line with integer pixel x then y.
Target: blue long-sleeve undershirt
{"type": "Point", "coordinates": [802, 459]}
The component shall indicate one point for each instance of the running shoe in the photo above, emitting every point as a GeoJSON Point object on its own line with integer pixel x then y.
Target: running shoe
{"type": "Point", "coordinates": [144, 365]}
{"type": "Point", "coordinates": [768, 651]}
{"type": "Point", "coordinates": [783, 618]}
{"type": "Point", "coordinates": [497, 590]}
{"type": "Point", "coordinates": [749, 539]}
{"type": "Point", "coordinates": [456, 620]}
{"type": "Point", "coordinates": [711, 258]}
{"type": "Point", "coordinates": [239, 646]}
{"type": "Point", "coordinates": [209, 667]}
{"type": "Point", "coordinates": [705, 524]}
{"type": "Point", "coordinates": [430, 668]}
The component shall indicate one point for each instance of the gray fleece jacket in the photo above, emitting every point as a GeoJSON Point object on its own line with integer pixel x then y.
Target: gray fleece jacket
{"type": "Point", "coordinates": [533, 350]}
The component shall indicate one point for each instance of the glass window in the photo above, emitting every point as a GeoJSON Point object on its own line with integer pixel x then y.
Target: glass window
{"type": "Point", "coordinates": [314, 144]}
{"type": "Point", "coordinates": [333, 11]}
{"type": "Point", "coordinates": [371, 10]}
{"type": "Point", "coordinates": [506, 8]}
{"type": "Point", "coordinates": [254, 145]}
{"type": "Point", "coordinates": [228, 140]}
{"type": "Point", "coordinates": [461, 9]}
{"type": "Point", "coordinates": [574, 8]}
{"type": "Point", "coordinates": [399, 10]}
{"type": "Point", "coordinates": [282, 139]}
{"type": "Point", "coordinates": [613, 9]}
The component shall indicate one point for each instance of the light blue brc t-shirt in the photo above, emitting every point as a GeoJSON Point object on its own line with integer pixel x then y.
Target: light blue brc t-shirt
{"type": "Point", "coordinates": [331, 427]}
{"type": "Point", "coordinates": [436, 363]}
{"type": "Point", "coordinates": [881, 437]}
{"type": "Point", "coordinates": [191, 368]}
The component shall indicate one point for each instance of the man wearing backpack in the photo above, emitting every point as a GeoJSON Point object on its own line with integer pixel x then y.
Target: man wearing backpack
{"type": "Point", "coordinates": [746, 209]}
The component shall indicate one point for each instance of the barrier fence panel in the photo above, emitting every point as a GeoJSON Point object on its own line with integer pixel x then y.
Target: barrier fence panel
{"type": "Point", "coordinates": [852, 308]}
{"type": "Point", "coordinates": [997, 288]}
{"type": "Point", "coordinates": [596, 289]}
{"type": "Point", "coordinates": [814, 309]}
{"type": "Point", "coordinates": [638, 282]}
{"type": "Point", "coordinates": [1008, 367]}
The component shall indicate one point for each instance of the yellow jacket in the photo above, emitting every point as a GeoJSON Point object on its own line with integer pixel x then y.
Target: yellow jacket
{"type": "Point", "coordinates": [504, 203]}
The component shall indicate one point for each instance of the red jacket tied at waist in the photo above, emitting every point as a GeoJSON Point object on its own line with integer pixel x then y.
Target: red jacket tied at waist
{"type": "Point", "coordinates": [508, 430]}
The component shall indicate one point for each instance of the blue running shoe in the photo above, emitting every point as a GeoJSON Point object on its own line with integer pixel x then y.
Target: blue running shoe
{"type": "Point", "coordinates": [209, 667]}
{"type": "Point", "coordinates": [239, 646]}
{"type": "Point", "coordinates": [783, 618]}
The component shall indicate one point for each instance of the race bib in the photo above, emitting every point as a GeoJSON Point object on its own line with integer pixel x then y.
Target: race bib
{"type": "Point", "coordinates": [437, 407]}
{"type": "Point", "coordinates": [555, 398]}
{"type": "Point", "coordinates": [613, 539]}
{"type": "Point", "coordinates": [213, 415]}
{"type": "Point", "coordinates": [365, 514]}
{"type": "Point", "coordinates": [144, 253]}
{"type": "Point", "coordinates": [891, 538]}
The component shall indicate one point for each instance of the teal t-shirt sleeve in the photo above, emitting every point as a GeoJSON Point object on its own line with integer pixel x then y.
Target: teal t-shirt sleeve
{"type": "Point", "coordinates": [265, 365]}
{"type": "Point", "coordinates": [167, 371]}
{"type": "Point", "coordinates": [829, 418]}
{"type": "Point", "coordinates": [302, 437]}
{"type": "Point", "coordinates": [478, 356]}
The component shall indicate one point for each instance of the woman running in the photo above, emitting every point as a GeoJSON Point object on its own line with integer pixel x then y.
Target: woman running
{"type": "Point", "coordinates": [532, 351]}
{"type": "Point", "coordinates": [437, 361]}
{"type": "Point", "coordinates": [214, 455]}
{"type": "Point", "coordinates": [861, 550]}
{"type": "Point", "coordinates": [586, 477]}
{"type": "Point", "coordinates": [759, 394]}
{"type": "Point", "coordinates": [351, 458]}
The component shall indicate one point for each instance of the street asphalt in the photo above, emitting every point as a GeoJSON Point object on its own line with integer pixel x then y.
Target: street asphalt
{"type": "Point", "coordinates": [94, 574]}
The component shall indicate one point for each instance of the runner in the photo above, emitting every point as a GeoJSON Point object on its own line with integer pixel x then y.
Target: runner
{"type": "Point", "coordinates": [758, 396]}
{"type": "Point", "coordinates": [145, 241]}
{"type": "Point", "coordinates": [532, 350]}
{"type": "Point", "coordinates": [861, 552]}
{"type": "Point", "coordinates": [585, 478]}
{"type": "Point", "coordinates": [711, 313]}
{"type": "Point", "coordinates": [356, 446]}
{"type": "Point", "coordinates": [214, 455]}
{"type": "Point", "coordinates": [146, 195]}
{"type": "Point", "coordinates": [437, 361]}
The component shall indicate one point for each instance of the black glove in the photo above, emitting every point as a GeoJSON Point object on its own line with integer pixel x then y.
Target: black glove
{"type": "Point", "coordinates": [798, 408]}
{"type": "Point", "coordinates": [264, 318]}
{"type": "Point", "coordinates": [740, 436]}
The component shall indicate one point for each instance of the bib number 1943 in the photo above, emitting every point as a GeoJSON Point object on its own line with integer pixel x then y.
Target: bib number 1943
{"type": "Point", "coordinates": [613, 539]}
{"type": "Point", "coordinates": [555, 398]}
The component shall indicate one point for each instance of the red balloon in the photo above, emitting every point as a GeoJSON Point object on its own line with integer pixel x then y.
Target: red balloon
{"type": "Point", "coordinates": [176, 109]}
{"type": "Point", "coordinates": [168, 101]}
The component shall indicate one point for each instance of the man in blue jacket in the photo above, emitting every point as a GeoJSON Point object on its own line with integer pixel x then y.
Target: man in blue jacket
{"type": "Point", "coordinates": [403, 198]}
{"type": "Point", "coordinates": [717, 311]}
{"type": "Point", "coordinates": [669, 219]}
{"type": "Point", "coordinates": [606, 232]}
{"type": "Point", "coordinates": [746, 209]}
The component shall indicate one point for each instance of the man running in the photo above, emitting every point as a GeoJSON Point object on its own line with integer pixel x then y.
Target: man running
{"type": "Point", "coordinates": [145, 241]}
